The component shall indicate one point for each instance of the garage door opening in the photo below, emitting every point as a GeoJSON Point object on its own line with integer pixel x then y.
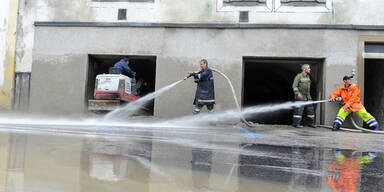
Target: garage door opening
{"type": "Point", "coordinates": [144, 66]}
{"type": "Point", "coordinates": [373, 88]}
{"type": "Point", "coordinates": [269, 81]}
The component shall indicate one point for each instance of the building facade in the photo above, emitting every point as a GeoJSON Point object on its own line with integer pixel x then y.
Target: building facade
{"type": "Point", "coordinates": [259, 44]}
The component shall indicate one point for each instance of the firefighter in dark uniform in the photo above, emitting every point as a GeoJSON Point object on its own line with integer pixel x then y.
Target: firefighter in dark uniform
{"type": "Point", "coordinates": [205, 92]}
{"type": "Point", "coordinates": [302, 88]}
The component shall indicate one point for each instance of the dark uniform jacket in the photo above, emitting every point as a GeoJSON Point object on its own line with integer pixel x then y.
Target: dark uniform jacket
{"type": "Point", "coordinates": [123, 66]}
{"type": "Point", "coordinates": [205, 92]}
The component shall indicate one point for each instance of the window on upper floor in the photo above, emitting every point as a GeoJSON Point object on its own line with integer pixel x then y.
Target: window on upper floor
{"type": "Point", "coordinates": [245, 5]}
{"type": "Point", "coordinates": [244, 2]}
{"type": "Point", "coordinates": [123, 0]}
{"type": "Point", "coordinates": [275, 5]}
{"type": "Point", "coordinates": [303, 3]}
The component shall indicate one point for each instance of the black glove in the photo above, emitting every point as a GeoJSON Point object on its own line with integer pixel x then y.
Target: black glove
{"type": "Point", "coordinates": [335, 99]}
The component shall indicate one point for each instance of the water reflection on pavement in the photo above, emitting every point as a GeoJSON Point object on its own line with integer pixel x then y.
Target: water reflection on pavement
{"type": "Point", "coordinates": [33, 162]}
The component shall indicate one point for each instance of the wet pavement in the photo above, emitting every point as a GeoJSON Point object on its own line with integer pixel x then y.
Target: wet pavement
{"type": "Point", "coordinates": [221, 158]}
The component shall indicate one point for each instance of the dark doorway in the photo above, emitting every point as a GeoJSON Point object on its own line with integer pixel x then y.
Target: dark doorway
{"type": "Point", "coordinates": [373, 88]}
{"type": "Point", "coordinates": [269, 81]}
{"type": "Point", "coordinates": [144, 66]}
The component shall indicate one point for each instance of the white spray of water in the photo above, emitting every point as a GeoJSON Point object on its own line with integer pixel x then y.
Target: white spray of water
{"type": "Point", "coordinates": [183, 122]}
{"type": "Point", "coordinates": [93, 126]}
{"type": "Point", "coordinates": [78, 124]}
{"type": "Point", "coordinates": [235, 115]}
{"type": "Point", "coordinates": [132, 107]}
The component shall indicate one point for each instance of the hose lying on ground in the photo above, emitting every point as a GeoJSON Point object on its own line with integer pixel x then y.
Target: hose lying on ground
{"type": "Point", "coordinates": [357, 130]}
{"type": "Point", "coordinates": [248, 123]}
{"type": "Point", "coordinates": [344, 129]}
{"type": "Point", "coordinates": [363, 129]}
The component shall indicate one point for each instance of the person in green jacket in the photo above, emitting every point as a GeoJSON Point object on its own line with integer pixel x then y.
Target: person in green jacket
{"type": "Point", "coordinates": [302, 88]}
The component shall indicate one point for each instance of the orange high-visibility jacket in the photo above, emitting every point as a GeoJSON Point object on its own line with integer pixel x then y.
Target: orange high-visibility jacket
{"type": "Point", "coordinates": [351, 98]}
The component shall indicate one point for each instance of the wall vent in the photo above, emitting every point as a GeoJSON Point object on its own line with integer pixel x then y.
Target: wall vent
{"type": "Point", "coordinates": [243, 16]}
{"type": "Point", "coordinates": [122, 14]}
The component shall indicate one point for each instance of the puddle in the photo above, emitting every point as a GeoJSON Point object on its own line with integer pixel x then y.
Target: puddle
{"type": "Point", "coordinates": [66, 163]}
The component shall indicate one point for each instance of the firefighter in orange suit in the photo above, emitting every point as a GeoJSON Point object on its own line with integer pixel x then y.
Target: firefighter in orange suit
{"type": "Point", "coordinates": [349, 94]}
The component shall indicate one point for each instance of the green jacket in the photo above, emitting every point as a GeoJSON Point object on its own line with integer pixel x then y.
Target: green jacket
{"type": "Point", "coordinates": [302, 85]}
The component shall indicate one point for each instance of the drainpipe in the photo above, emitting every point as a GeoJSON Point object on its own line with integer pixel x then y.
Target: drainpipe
{"type": "Point", "coordinates": [333, 14]}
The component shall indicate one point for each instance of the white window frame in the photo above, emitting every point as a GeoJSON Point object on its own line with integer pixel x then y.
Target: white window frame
{"type": "Point", "coordinates": [275, 6]}
{"type": "Point", "coordinates": [267, 8]}
{"type": "Point", "coordinates": [137, 5]}
{"type": "Point", "coordinates": [297, 9]}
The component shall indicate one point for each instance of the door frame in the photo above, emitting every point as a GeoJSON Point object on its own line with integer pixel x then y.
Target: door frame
{"type": "Point", "coordinates": [320, 112]}
{"type": "Point", "coordinates": [361, 56]}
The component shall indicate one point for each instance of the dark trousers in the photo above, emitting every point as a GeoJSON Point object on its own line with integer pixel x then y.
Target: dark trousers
{"type": "Point", "coordinates": [298, 114]}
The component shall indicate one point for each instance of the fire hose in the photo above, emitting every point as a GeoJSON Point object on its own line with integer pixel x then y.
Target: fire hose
{"type": "Point", "coordinates": [251, 124]}
{"type": "Point", "coordinates": [242, 119]}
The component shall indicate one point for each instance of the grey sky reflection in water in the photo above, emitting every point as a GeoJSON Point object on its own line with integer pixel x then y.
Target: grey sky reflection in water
{"type": "Point", "coordinates": [64, 163]}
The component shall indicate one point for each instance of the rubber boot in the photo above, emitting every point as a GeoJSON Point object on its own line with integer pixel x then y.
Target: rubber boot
{"type": "Point", "coordinates": [310, 116]}
{"type": "Point", "coordinates": [373, 124]}
{"type": "Point", "coordinates": [336, 126]}
{"type": "Point", "coordinates": [196, 111]}
{"type": "Point", "coordinates": [297, 115]}
{"type": "Point", "coordinates": [296, 122]}
{"type": "Point", "coordinates": [211, 111]}
{"type": "Point", "coordinates": [337, 123]}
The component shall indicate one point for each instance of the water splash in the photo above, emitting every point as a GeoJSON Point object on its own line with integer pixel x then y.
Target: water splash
{"type": "Point", "coordinates": [93, 126]}
{"type": "Point", "coordinates": [132, 107]}
{"type": "Point", "coordinates": [235, 115]}
{"type": "Point", "coordinates": [186, 122]}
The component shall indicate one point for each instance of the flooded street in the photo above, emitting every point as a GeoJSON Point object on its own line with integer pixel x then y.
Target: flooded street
{"type": "Point", "coordinates": [191, 96]}
{"type": "Point", "coordinates": [177, 159]}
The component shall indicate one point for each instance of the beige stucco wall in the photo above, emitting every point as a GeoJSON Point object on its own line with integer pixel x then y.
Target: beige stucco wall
{"type": "Point", "coordinates": [357, 12]}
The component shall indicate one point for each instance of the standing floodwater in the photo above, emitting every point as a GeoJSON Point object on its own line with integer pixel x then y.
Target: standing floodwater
{"type": "Point", "coordinates": [41, 154]}
{"type": "Point", "coordinates": [159, 162]}
{"type": "Point", "coordinates": [132, 107]}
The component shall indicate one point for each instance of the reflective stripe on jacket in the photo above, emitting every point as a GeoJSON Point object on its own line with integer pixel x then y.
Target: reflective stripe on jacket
{"type": "Point", "coordinates": [351, 97]}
